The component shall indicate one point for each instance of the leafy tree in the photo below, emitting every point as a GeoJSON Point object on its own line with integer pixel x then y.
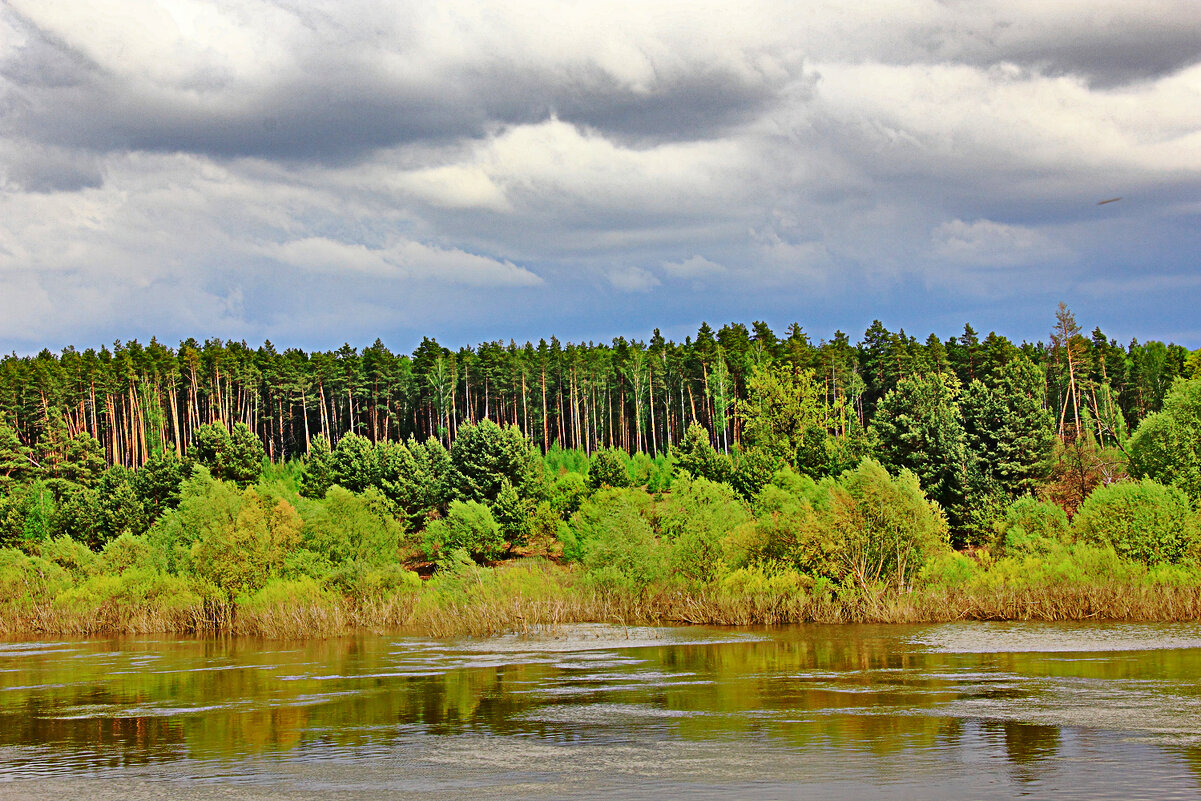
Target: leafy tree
{"type": "Point", "coordinates": [753, 469]}
{"type": "Point", "coordinates": [414, 476]}
{"type": "Point", "coordinates": [353, 465]}
{"type": "Point", "coordinates": [1030, 526]}
{"type": "Point", "coordinates": [1144, 521]}
{"type": "Point", "coordinates": [1167, 445]}
{"type": "Point", "coordinates": [157, 483]}
{"type": "Point", "coordinates": [694, 456]}
{"type": "Point", "coordinates": [783, 404]}
{"type": "Point", "coordinates": [83, 462]}
{"type": "Point", "coordinates": [241, 558]}
{"type": "Point", "coordinates": [347, 527]}
{"type": "Point", "coordinates": [887, 527]}
{"type": "Point", "coordinates": [15, 461]}
{"type": "Point", "coordinates": [918, 427]}
{"type": "Point", "coordinates": [512, 513]}
{"type": "Point", "coordinates": [235, 456]}
{"type": "Point", "coordinates": [1008, 431]}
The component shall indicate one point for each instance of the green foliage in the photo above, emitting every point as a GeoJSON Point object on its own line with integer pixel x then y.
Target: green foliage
{"type": "Point", "coordinates": [567, 493]}
{"type": "Point", "coordinates": [468, 525]}
{"type": "Point", "coordinates": [789, 528]}
{"type": "Point", "coordinates": [616, 542]}
{"type": "Point", "coordinates": [1009, 433]}
{"type": "Point", "coordinates": [83, 461]}
{"type": "Point", "coordinates": [512, 513]}
{"type": "Point", "coordinates": [120, 509]}
{"type": "Point", "coordinates": [887, 526]}
{"type": "Point", "coordinates": [697, 517]}
{"type": "Point", "coordinates": [607, 468]}
{"type": "Point", "coordinates": [414, 476]}
{"type": "Point", "coordinates": [234, 540]}
{"type": "Point", "coordinates": [353, 463]}
{"type": "Point", "coordinates": [74, 557]}
{"type": "Point", "coordinates": [129, 551]}
{"type": "Point", "coordinates": [783, 403]}
{"type": "Point", "coordinates": [156, 483]}
{"type": "Point", "coordinates": [371, 582]}
{"type": "Point", "coordinates": [753, 470]}
{"type": "Point", "coordinates": [1030, 526]}
{"type": "Point", "coordinates": [26, 581]}
{"type": "Point", "coordinates": [235, 455]}
{"type": "Point", "coordinates": [696, 457]}
{"type": "Point", "coordinates": [15, 463]}
{"type": "Point", "coordinates": [349, 527]}
{"type": "Point", "coordinates": [565, 460]}
{"type": "Point", "coordinates": [1144, 521]}
{"type": "Point", "coordinates": [485, 455]}
{"type": "Point", "coordinates": [918, 427]}
{"type": "Point", "coordinates": [1167, 445]}
{"type": "Point", "coordinates": [318, 473]}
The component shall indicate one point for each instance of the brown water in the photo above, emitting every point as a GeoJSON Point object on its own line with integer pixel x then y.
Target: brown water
{"type": "Point", "coordinates": [951, 711]}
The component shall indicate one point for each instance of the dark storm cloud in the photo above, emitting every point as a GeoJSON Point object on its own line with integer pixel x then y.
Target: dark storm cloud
{"type": "Point", "coordinates": [1107, 50]}
{"type": "Point", "coordinates": [337, 111]}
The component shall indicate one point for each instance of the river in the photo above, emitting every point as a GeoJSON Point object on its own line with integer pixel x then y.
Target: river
{"type": "Point", "coordinates": [955, 711]}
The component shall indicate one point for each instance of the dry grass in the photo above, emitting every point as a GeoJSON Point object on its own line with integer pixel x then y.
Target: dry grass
{"type": "Point", "coordinates": [527, 597]}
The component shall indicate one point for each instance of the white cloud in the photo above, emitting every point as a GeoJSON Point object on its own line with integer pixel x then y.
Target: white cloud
{"type": "Point", "coordinates": [632, 279]}
{"type": "Point", "coordinates": [694, 267]}
{"type": "Point", "coordinates": [983, 243]}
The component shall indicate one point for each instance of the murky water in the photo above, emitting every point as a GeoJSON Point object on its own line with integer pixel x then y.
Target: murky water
{"type": "Point", "coordinates": [857, 712]}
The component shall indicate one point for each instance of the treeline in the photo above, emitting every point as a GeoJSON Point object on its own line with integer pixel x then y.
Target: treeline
{"type": "Point", "coordinates": [136, 400]}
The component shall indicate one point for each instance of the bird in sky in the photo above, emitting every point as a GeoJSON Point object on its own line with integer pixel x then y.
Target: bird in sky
{"type": "Point", "coordinates": [1111, 200]}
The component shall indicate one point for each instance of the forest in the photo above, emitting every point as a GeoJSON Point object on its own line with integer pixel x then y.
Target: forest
{"type": "Point", "coordinates": [739, 476]}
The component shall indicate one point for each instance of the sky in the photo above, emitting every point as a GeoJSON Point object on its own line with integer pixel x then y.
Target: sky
{"type": "Point", "coordinates": [316, 172]}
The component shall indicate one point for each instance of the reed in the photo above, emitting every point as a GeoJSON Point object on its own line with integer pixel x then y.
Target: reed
{"type": "Point", "coordinates": [534, 595]}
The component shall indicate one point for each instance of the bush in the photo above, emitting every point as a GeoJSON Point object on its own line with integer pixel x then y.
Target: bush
{"type": "Point", "coordinates": [1030, 526]}
{"type": "Point", "coordinates": [886, 526]}
{"type": "Point", "coordinates": [567, 493]}
{"type": "Point", "coordinates": [789, 528]}
{"type": "Point", "coordinates": [607, 468]}
{"type": "Point", "coordinates": [1144, 521]}
{"type": "Point", "coordinates": [468, 525]}
{"type": "Point", "coordinates": [1167, 445]}
{"type": "Point", "coordinates": [349, 527]}
{"type": "Point", "coordinates": [616, 542]}
{"type": "Point", "coordinates": [485, 455]}
{"type": "Point", "coordinates": [29, 580]}
{"type": "Point", "coordinates": [697, 518]}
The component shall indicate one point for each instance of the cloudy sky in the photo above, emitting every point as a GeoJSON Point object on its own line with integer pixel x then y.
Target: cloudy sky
{"type": "Point", "coordinates": [317, 172]}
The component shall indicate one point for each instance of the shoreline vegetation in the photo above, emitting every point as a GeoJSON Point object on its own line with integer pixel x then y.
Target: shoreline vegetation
{"type": "Point", "coordinates": [923, 483]}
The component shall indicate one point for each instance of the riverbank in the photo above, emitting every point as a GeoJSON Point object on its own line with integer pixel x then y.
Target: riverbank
{"type": "Point", "coordinates": [532, 594]}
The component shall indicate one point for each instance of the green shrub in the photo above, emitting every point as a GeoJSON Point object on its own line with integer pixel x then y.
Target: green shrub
{"type": "Point", "coordinates": [468, 525]}
{"type": "Point", "coordinates": [349, 527]}
{"type": "Point", "coordinates": [948, 569]}
{"type": "Point", "coordinates": [567, 493]}
{"type": "Point", "coordinates": [607, 468]}
{"type": "Point", "coordinates": [1144, 521]}
{"type": "Point", "coordinates": [759, 581]}
{"type": "Point", "coordinates": [697, 517]}
{"type": "Point", "coordinates": [1030, 526]}
{"type": "Point", "coordinates": [616, 542]}
{"type": "Point", "coordinates": [789, 528]}
{"type": "Point", "coordinates": [74, 557]}
{"type": "Point", "coordinates": [29, 580]}
{"type": "Point", "coordinates": [129, 551]}
{"type": "Point", "coordinates": [887, 527]}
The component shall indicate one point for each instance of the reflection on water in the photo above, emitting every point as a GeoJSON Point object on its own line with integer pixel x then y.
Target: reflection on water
{"type": "Point", "coordinates": [952, 711]}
